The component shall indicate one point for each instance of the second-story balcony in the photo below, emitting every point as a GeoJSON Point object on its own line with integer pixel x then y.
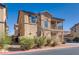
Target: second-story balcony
{"type": "Point", "coordinates": [54, 27]}
{"type": "Point", "coordinates": [57, 24]}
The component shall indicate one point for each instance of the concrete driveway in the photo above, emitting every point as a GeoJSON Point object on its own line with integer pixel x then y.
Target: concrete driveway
{"type": "Point", "coordinates": [73, 44]}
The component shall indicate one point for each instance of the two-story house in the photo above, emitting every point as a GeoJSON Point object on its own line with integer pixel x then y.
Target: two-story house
{"type": "Point", "coordinates": [38, 24]}
{"type": "Point", "coordinates": [3, 24]}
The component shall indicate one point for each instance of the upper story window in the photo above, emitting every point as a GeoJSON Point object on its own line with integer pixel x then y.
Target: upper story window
{"type": "Point", "coordinates": [46, 23]}
{"type": "Point", "coordinates": [33, 19]}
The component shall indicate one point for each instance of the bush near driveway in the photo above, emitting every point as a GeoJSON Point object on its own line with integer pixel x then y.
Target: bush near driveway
{"type": "Point", "coordinates": [49, 40]}
{"type": "Point", "coordinates": [27, 42]}
{"type": "Point", "coordinates": [54, 44]}
{"type": "Point", "coordinates": [1, 46]}
{"type": "Point", "coordinates": [41, 41]}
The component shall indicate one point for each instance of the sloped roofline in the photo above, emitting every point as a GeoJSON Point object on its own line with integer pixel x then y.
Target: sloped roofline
{"type": "Point", "coordinates": [3, 6]}
{"type": "Point", "coordinates": [75, 25]}
{"type": "Point", "coordinates": [58, 18]}
{"type": "Point", "coordinates": [26, 12]}
{"type": "Point", "coordinates": [40, 13]}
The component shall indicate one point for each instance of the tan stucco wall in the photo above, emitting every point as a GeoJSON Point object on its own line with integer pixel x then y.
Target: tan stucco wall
{"type": "Point", "coordinates": [2, 29]}
{"type": "Point", "coordinates": [3, 14]}
{"type": "Point", "coordinates": [46, 33]}
{"type": "Point", "coordinates": [2, 19]}
{"type": "Point", "coordinates": [30, 29]}
{"type": "Point", "coordinates": [60, 36]}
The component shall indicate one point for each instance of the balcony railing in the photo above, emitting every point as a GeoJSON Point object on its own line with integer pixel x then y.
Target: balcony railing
{"type": "Point", "coordinates": [60, 27]}
{"type": "Point", "coordinates": [57, 27]}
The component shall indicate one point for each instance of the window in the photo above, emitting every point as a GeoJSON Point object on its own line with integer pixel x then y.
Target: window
{"type": "Point", "coordinates": [33, 19]}
{"type": "Point", "coordinates": [46, 24]}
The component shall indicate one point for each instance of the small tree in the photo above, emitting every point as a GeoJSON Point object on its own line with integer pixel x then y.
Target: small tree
{"type": "Point", "coordinates": [6, 40]}
{"type": "Point", "coordinates": [27, 42]}
{"type": "Point", "coordinates": [48, 41]}
{"type": "Point", "coordinates": [54, 41]}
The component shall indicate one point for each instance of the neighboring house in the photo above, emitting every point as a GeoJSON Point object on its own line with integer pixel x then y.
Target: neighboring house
{"type": "Point", "coordinates": [38, 24]}
{"type": "Point", "coordinates": [75, 31]}
{"type": "Point", "coordinates": [66, 32]}
{"type": "Point", "coordinates": [16, 29]}
{"type": "Point", "coordinates": [67, 36]}
{"type": "Point", "coordinates": [3, 24]}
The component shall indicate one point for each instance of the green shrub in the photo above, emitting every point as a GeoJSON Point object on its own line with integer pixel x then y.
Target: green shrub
{"type": "Point", "coordinates": [36, 41]}
{"type": "Point", "coordinates": [41, 41]}
{"type": "Point", "coordinates": [1, 46]}
{"type": "Point", "coordinates": [22, 42]}
{"type": "Point", "coordinates": [27, 42]}
{"type": "Point", "coordinates": [6, 40]}
{"type": "Point", "coordinates": [54, 44]}
{"type": "Point", "coordinates": [63, 42]}
{"type": "Point", "coordinates": [54, 41]}
{"type": "Point", "coordinates": [48, 41]}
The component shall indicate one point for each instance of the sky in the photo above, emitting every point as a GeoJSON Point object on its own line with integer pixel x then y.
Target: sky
{"type": "Point", "coordinates": [68, 12]}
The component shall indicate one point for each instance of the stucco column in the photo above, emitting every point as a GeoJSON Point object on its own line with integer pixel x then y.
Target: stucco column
{"type": "Point", "coordinates": [62, 33]}
{"type": "Point", "coordinates": [62, 36]}
{"type": "Point", "coordinates": [56, 25]}
{"type": "Point", "coordinates": [62, 25]}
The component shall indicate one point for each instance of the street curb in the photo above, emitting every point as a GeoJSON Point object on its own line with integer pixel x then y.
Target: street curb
{"type": "Point", "coordinates": [34, 50]}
